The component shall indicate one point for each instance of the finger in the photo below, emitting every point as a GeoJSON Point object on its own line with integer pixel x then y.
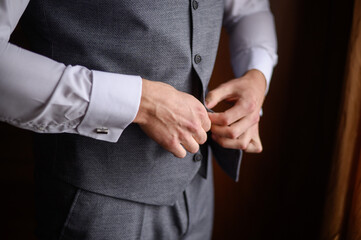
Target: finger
{"type": "Point", "coordinates": [200, 137]}
{"type": "Point", "coordinates": [217, 95]}
{"type": "Point", "coordinates": [255, 146]}
{"type": "Point", "coordinates": [206, 123]}
{"type": "Point", "coordinates": [244, 140]}
{"type": "Point", "coordinates": [231, 143]}
{"type": "Point", "coordinates": [178, 151]}
{"type": "Point", "coordinates": [236, 112]}
{"type": "Point", "coordinates": [190, 144]}
{"type": "Point", "coordinates": [234, 130]}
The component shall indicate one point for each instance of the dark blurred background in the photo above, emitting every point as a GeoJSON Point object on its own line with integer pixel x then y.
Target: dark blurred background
{"type": "Point", "coordinates": [281, 192]}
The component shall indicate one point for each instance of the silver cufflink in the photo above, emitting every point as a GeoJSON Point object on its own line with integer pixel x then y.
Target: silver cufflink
{"type": "Point", "coordinates": [102, 130]}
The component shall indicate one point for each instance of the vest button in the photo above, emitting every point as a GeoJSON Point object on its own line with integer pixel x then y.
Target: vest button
{"type": "Point", "coordinates": [197, 157]}
{"type": "Point", "coordinates": [197, 58]}
{"type": "Point", "coordinates": [195, 5]}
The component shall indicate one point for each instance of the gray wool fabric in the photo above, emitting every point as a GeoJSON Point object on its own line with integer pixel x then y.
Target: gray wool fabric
{"type": "Point", "coordinates": [164, 41]}
{"type": "Point", "coordinates": [68, 213]}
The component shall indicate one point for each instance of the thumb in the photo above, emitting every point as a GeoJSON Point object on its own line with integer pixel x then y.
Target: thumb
{"type": "Point", "coordinates": [217, 95]}
{"type": "Point", "coordinates": [255, 146]}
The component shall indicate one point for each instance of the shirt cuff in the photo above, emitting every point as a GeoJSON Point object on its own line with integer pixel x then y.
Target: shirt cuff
{"type": "Point", "coordinates": [254, 58]}
{"type": "Point", "coordinates": [114, 103]}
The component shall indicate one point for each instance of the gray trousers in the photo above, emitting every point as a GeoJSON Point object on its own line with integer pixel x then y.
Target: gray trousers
{"type": "Point", "coordinates": [66, 212]}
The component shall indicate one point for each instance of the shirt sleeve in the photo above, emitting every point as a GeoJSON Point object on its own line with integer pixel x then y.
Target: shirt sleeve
{"type": "Point", "coordinates": [253, 43]}
{"type": "Point", "coordinates": [42, 95]}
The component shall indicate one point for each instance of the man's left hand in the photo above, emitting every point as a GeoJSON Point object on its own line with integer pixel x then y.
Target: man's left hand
{"type": "Point", "coordinates": [237, 127]}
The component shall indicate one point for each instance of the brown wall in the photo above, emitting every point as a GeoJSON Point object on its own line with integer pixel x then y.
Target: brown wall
{"type": "Point", "coordinates": [281, 191]}
{"type": "Point", "coordinates": [342, 213]}
{"type": "Point", "coordinates": [280, 194]}
{"type": "Point", "coordinates": [352, 229]}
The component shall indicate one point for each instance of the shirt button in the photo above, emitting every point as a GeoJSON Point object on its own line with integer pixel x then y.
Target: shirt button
{"type": "Point", "coordinates": [197, 157]}
{"type": "Point", "coordinates": [195, 5]}
{"type": "Point", "coordinates": [197, 58]}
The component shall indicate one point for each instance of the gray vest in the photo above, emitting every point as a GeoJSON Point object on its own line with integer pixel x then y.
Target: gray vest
{"type": "Point", "coordinates": [173, 41]}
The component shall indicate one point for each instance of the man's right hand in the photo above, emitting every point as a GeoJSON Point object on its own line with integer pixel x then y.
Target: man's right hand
{"type": "Point", "coordinates": [172, 118]}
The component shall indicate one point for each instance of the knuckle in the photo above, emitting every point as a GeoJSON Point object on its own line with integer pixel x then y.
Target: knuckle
{"type": "Point", "coordinates": [252, 106]}
{"type": "Point", "coordinates": [172, 143]}
{"type": "Point", "coordinates": [249, 105]}
{"type": "Point", "coordinates": [224, 120]}
{"type": "Point", "coordinates": [192, 125]}
{"type": "Point", "coordinates": [181, 135]}
{"type": "Point", "coordinates": [242, 144]}
{"type": "Point", "coordinates": [232, 133]}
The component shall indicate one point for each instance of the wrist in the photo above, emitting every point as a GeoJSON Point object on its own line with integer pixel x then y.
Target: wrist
{"type": "Point", "coordinates": [257, 76]}
{"type": "Point", "coordinates": [154, 94]}
{"type": "Point", "coordinates": [144, 106]}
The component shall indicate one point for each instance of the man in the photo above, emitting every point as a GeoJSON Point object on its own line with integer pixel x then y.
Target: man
{"type": "Point", "coordinates": [114, 172]}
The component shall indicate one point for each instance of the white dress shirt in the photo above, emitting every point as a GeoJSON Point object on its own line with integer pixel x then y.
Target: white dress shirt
{"type": "Point", "coordinates": [42, 95]}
